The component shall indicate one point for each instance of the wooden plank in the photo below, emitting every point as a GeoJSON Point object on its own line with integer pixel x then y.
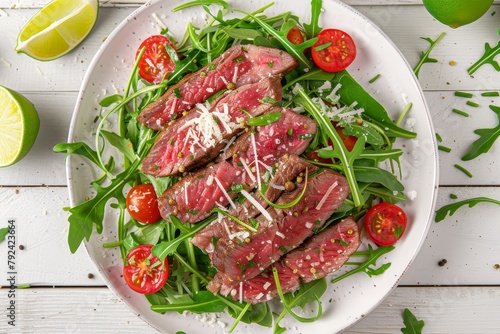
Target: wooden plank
{"type": "Point", "coordinates": [468, 241]}
{"type": "Point", "coordinates": [403, 24]}
{"type": "Point", "coordinates": [461, 310]}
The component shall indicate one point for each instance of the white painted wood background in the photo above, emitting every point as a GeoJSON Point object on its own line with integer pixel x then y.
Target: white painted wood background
{"type": "Point", "coordinates": [461, 297]}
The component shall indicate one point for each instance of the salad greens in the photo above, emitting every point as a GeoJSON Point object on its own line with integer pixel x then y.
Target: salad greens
{"type": "Point", "coordinates": [451, 208]}
{"type": "Point", "coordinates": [425, 56]}
{"type": "Point", "coordinates": [329, 98]}
{"type": "Point", "coordinates": [487, 138]}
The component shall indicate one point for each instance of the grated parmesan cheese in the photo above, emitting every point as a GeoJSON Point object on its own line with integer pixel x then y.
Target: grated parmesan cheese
{"type": "Point", "coordinates": [257, 205]}
{"type": "Point", "coordinates": [323, 200]}
{"type": "Point", "coordinates": [224, 192]}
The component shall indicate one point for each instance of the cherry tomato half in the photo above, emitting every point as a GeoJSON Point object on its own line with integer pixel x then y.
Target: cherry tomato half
{"type": "Point", "coordinates": [155, 63]}
{"type": "Point", "coordinates": [334, 50]}
{"type": "Point", "coordinates": [142, 204]}
{"type": "Point", "coordinates": [385, 223]}
{"type": "Point", "coordinates": [295, 36]}
{"type": "Point", "coordinates": [145, 273]}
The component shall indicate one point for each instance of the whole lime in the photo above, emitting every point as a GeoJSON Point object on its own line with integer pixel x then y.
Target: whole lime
{"type": "Point", "coordinates": [456, 13]}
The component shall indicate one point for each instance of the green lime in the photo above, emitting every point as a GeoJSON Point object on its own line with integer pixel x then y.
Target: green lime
{"type": "Point", "coordinates": [57, 28]}
{"type": "Point", "coordinates": [456, 13]}
{"type": "Point", "coordinates": [19, 124]}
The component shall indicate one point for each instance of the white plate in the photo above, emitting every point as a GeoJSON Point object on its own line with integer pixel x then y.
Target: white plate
{"type": "Point", "coordinates": [351, 299]}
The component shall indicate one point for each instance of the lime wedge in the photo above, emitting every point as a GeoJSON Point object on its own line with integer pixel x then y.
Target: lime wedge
{"type": "Point", "coordinates": [57, 28]}
{"type": "Point", "coordinates": [19, 124]}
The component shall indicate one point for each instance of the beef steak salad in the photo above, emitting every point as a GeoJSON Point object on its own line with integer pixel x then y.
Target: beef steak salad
{"type": "Point", "coordinates": [249, 162]}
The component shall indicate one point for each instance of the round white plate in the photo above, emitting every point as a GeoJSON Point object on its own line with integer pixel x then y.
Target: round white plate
{"type": "Point", "coordinates": [343, 303]}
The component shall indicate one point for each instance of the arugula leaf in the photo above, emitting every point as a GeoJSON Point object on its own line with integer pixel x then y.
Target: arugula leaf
{"type": "Point", "coordinates": [265, 119]}
{"type": "Point", "coordinates": [413, 326]}
{"type": "Point", "coordinates": [365, 266]}
{"type": "Point", "coordinates": [425, 56]}
{"type": "Point", "coordinates": [378, 175]}
{"type": "Point", "coordinates": [487, 58]}
{"type": "Point", "coordinates": [202, 302]}
{"type": "Point", "coordinates": [242, 33]}
{"type": "Point", "coordinates": [351, 91]}
{"type": "Point", "coordinates": [339, 150]}
{"type": "Point", "coordinates": [148, 234]}
{"type": "Point", "coordinates": [451, 208]}
{"type": "Point", "coordinates": [124, 145]}
{"type": "Point", "coordinates": [79, 148]}
{"type": "Point", "coordinates": [84, 216]}
{"type": "Point", "coordinates": [313, 28]}
{"type": "Point", "coordinates": [487, 138]}
{"type": "Point", "coordinates": [3, 233]}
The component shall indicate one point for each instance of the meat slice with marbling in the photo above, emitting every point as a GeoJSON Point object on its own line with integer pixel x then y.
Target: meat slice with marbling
{"type": "Point", "coordinates": [239, 65]}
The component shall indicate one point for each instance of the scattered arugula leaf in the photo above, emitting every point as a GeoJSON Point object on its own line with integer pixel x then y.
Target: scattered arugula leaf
{"type": "Point", "coordinates": [412, 325]}
{"type": "Point", "coordinates": [425, 56]}
{"type": "Point", "coordinates": [487, 58]}
{"type": "Point", "coordinates": [3, 233]}
{"type": "Point", "coordinates": [313, 28]}
{"type": "Point", "coordinates": [487, 138]}
{"type": "Point", "coordinates": [451, 208]}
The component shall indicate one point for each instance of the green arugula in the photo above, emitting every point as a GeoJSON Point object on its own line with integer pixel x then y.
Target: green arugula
{"type": "Point", "coordinates": [313, 28]}
{"type": "Point", "coordinates": [265, 119]}
{"type": "Point", "coordinates": [451, 208]}
{"type": "Point", "coordinates": [365, 266]}
{"type": "Point", "coordinates": [487, 138]}
{"type": "Point", "coordinates": [425, 56]}
{"type": "Point", "coordinates": [487, 58]}
{"type": "Point", "coordinates": [412, 325]}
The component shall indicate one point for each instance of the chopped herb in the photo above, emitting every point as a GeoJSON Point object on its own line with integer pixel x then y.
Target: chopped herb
{"type": "Point", "coordinates": [191, 157]}
{"type": "Point", "coordinates": [372, 80]}
{"type": "Point", "coordinates": [342, 242]}
{"type": "Point", "coordinates": [201, 176]}
{"type": "Point", "coordinates": [398, 231]}
{"type": "Point", "coordinates": [177, 93]}
{"type": "Point", "coordinates": [192, 212]}
{"type": "Point", "coordinates": [322, 46]}
{"type": "Point", "coordinates": [490, 94]}
{"type": "Point", "coordinates": [251, 264]}
{"type": "Point", "coordinates": [156, 167]}
{"type": "Point", "coordinates": [438, 137]}
{"type": "Point", "coordinates": [472, 104]}
{"type": "Point", "coordinates": [174, 116]}
{"type": "Point", "coordinates": [239, 59]}
{"type": "Point", "coordinates": [235, 188]}
{"type": "Point", "coordinates": [462, 169]}
{"type": "Point", "coordinates": [460, 112]}
{"type": "Point", "coordinates": [255, 223]}
{"type": "Point", "coordinates": [290, 131]}
{"type": "Point", "coordinates": [211, 67]}
{"type": "Point", "coordinates": [265, 119]}
{"type": "Point", "coordinates": [453, 196]}
{"type": "Point", "coordinates": [283, 249]}
{"type": "Point", "coordinates": [464, 94]}
{"type": "Point", "coordinates": [270, 64]}
{"type": "Point", "coordinates": [444, 148]}
{"type": "Point", "coordinates": [239, 164]}
{"type": "Point", "coordinates": [305, 136]}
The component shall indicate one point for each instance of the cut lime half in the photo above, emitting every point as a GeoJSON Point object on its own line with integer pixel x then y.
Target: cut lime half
{"type": "Point", "coordinates": [19, 124]}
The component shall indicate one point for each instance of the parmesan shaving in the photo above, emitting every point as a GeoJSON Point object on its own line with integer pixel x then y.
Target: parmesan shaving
{"type": "Point", "coordinates": [241, 292]}
{"type": "Point", "coordinates": [279, 234]}
{"type": "Point", "coordinates": [257, 205]}
{"type": "Point", "coordinates": [186, 193]}
{"type": "Point", "coordinates": [224, 192]}
{"type": "Point", "coordinates": [256, 160]}
{"type": "Point", "coordinates": [158, 21]}
{"type": "Point", "coordinates": [323, 200]}
{"type": "Point", "coordinates": [249, 172]}
{"type": "Point", "coordinates": [235, 75]}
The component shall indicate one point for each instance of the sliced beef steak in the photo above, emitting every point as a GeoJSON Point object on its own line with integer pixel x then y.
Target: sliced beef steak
{"type": "Point", "coordinates": [197, 138]}
{"type": "Point", "coordinates": [236, 261]}
{"type": "Point", "coordinates": [324, 252]}
{"type": "Point", "coordinates": [289, 167]}
{"type": "Point", "coordinates": [320, 255]}
{"type": "Point", "coordinates": [239, 65]}
{"type": "Point", "coordinates": [192, 198]}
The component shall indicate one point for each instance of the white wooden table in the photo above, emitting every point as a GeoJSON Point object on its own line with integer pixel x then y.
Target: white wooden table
{"type": "Point", "coordinates": [64, 295]}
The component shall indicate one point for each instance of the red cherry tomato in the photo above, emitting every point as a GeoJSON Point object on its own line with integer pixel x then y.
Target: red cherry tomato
{"type": "Point", "coordinates": [385, 223]}
{"type": "Point", "coordinates": [295, 36]}
{"type": "Point", "coordinates": [145, 273]}
{"type": "Point", "coordinates": [155, 63]}
{"type": "Point", "coordinates": [142, 204]}
{"type": "Point", "coordinates": [334, 50]}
